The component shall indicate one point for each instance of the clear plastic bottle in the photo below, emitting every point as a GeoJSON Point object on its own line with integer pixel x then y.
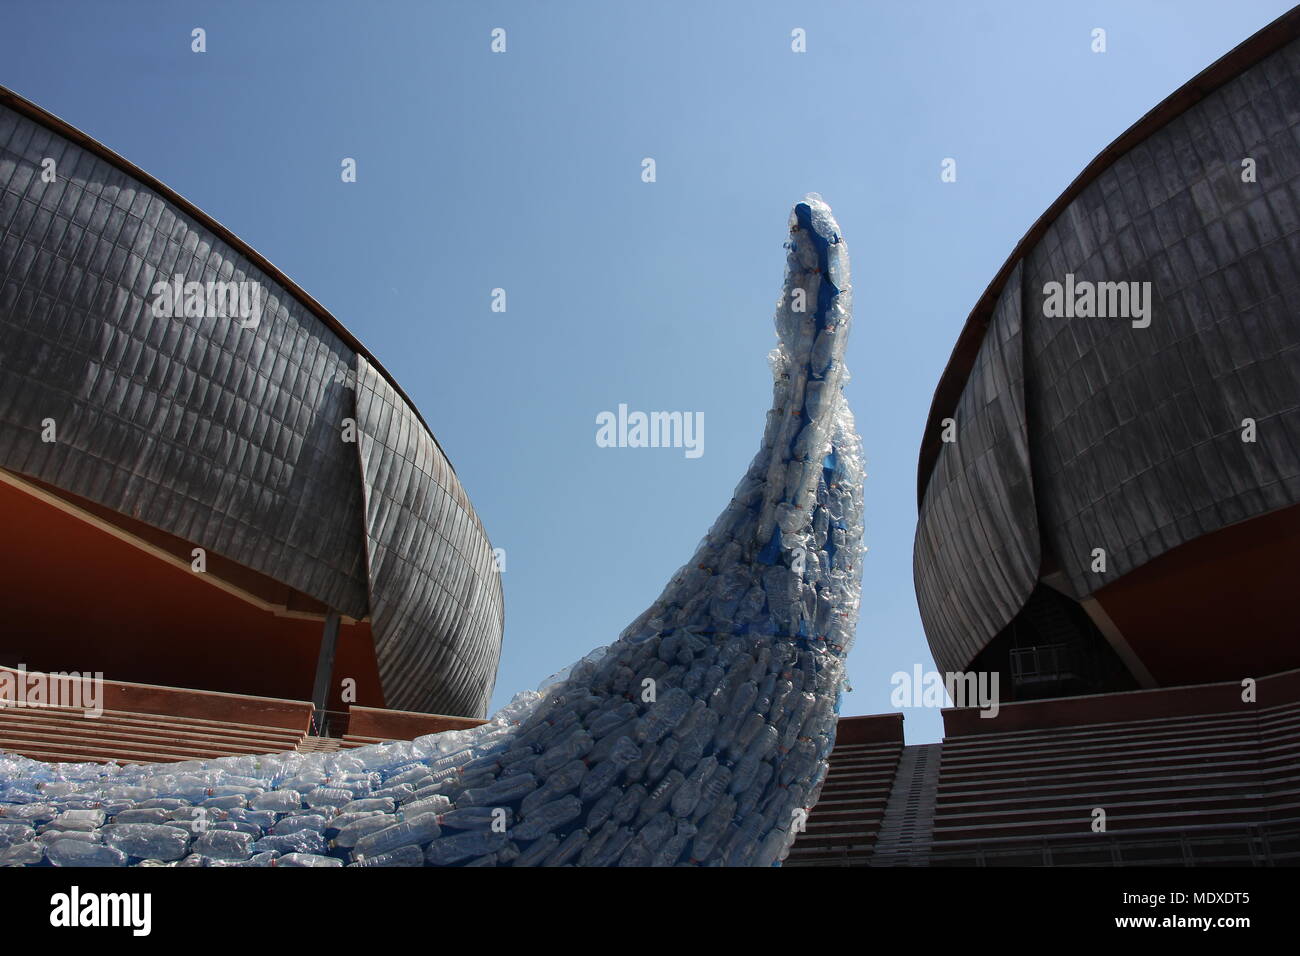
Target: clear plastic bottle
{"type": "Point", "coordinates": [306, 860]}
{"type": "Point", "coordinates": [576, 745]}
{"type": "Point", "coordinates": [711, 829]}
{"type": "Point", "coordinates": [614, 846]}
{"type": "Point", "coordinates": [606, 722]}
{"type": "Point", "coordinates": [476, 818]}
{"type": "Point", "coordinates": [803, 708]}
{"type": "Point", "coordinates": [696, 741]}
{"type": "Point", "coordinates": [659, 797]}
{"type": "Point", "coordinates": [334, 797]}
{"type": "Point", "coordinates": [562, 781]}
{"type": "Point", "coordinates": [636, 769]}
{"type": "Point", "coordinates": [419, 830]}
{"type": "Point", "coordinates": [688, 794]}
{"type": "Point", "coordinates": [79, 820]}
{"type": "Point", "coordinates": [664, 714]}
{"type": "Point", "coordinates": [409, 855]}
{"type": "Point", "coordinates": [300, 821]}
{"type": "Point", "coordinates": [628, 804]}
{"type": "Point", "coordinates": [446, 850]}
{"type": "Point", "coordinates": [596, 845]}
{"type": "Point", "coordinates": [641, 851]}
{"type": "Point", "coordinates": [602, 776]}
{"type": "Point", "coordinates": [745, 734]}
{"type": "Point", "coordinates": [664, 755]}
{"type": "Point", "coordinates": [547, 818]}
{"type": "Point", "coordinates": [671, 850]}
{"type": "Point", "coordinates": [506, 790]}
{"type": "Point", "coordinates": [149, 841]}
{"type": "Point", "coordinates": [23, 854]}
{"type": "Point", "coordinates": [568, 848]}
{"type": "Point", "coordinates": [80, 853]}
{"type": "Point", "coordinates": [538, 851]}
{"type": "Point", "coordinates": [354, 831]}
{"type": "Point", "coordinates": [278, 801]}
{"type": "Point", "coordinates": [223, 845]}
{"type": "Point", "coordinates": [753, 793]}
{"type": "Point", "coordinates": [602, 809]}
{"type": "Point", "coordinates": [12, 834]}
{"type": "Point", "coordinates": [712, 790]}
{"type": "Point", "coordinates": [368, 805]}
{"type": "Point", "coordinates": [154, 816]}
{"type": "Point", "coordinates": [437, 803]}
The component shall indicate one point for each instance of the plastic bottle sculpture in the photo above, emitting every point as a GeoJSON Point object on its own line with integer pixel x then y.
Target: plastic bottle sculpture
{"type": "Point", "coordinates": [699, 737]}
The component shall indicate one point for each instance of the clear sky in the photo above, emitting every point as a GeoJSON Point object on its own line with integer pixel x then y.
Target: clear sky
{"type": "Point", "coordinates": [522, 170]}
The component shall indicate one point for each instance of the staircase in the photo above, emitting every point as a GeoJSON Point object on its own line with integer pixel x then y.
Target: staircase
{"type": "Point", "coordinates": [905, 829]}
{"type": "Point", "coordinates": [148, 723]}
{"type": "Point", "coordinates": [1187, 776]}
{"type": "Point", "coordinates": [841, 829]}
{"type": "Point", "coordinates": [1195, 790]}
{"type": "Point", "coordinates": [66, 734]}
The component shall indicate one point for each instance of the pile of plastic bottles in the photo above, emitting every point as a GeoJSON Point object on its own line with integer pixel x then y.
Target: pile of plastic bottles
{"type": "Point", "coordinates": [699, 737]}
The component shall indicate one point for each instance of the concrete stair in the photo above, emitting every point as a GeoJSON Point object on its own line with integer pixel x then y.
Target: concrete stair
{"type": "Point", "coordinates": [906, 828]}
{"type": "Point", "coordinates": [66, 734]}
{"type": "Point", "coordinates": [841, 830]}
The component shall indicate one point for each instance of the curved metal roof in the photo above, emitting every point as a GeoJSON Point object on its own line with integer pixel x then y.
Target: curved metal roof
{"type": "Point", "coordinates": [26, 107]}
{"type": "Point", "coordinates": [228, 440]}
{"type": "Point", "coordinates": [946, 395]}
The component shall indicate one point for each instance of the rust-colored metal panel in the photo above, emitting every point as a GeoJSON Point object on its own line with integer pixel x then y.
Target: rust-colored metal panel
{"type": "Point", "coordinates": [402, 725]}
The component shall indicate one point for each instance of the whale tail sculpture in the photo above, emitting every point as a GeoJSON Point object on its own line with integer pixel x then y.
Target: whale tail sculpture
{"type": "Point", "coordinates": [699, 737]}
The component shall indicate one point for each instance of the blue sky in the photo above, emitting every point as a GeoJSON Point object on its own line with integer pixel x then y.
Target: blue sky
{"type": "Point", "coordinates": [522, 171]}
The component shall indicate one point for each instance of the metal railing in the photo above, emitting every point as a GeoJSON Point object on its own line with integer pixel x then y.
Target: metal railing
{"type": "Point", "coordinates": [329, 723]}
{"type": "Point", "coordinates": [1044, 662]}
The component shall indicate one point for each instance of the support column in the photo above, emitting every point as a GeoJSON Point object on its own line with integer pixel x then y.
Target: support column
{"type": "Point", "coordinates": [320, 697]}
